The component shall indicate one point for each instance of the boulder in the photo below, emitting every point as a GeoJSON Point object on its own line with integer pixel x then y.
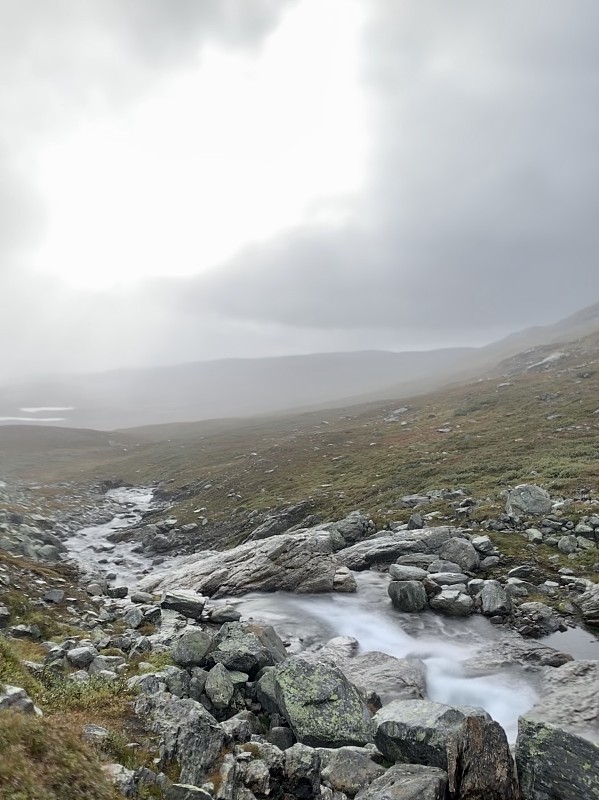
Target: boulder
{"type": "Point", "coordinates": [399, 572]}
{"type": "Point", "coordinates": [282, 520]}
{"type": "Point", "coordinates": [528, 499]}
{"type": "Point", "coordinates": [348, 769]}
{"type": "Point", "coordinates": [389, 677]}
{"type": "Point", "coordinates": [246, 647]}
{"type": "Point", "coordinates": [355, 527]}
{"type": "Point", "coordinates": [461, 552]}
{"type": "Point", "coordinates": [189, 604]}
{"type": "Point", "coordinates": [453, 603]}
{"type": "Point", "coordinates": [554, 764]}
{"type": "Point", "coordinates": [407, 595]}
{"type": "Point", "coordinates": [192, 647]}
{"type": "Point", "coordinates": [322, 708]}
{"type": "Point", "coordinates": [295, 562]}
{"type": "Point", "coordinates": [588, 603]}
{"type": "Point", "coordinates": [189, 735]}
{"type": "Point", "coordinates": [568, 544]}
{"type": "Point", "coordinates": [302, 772]}
{"type": "Point", "coordinates": [494, 600]}
{"type": "Point", "coordinates": [219, 687]}
{"type": "Point", "coordinates": [464, 742]}
{"type": "Point", "coordinates": [557, 751]}
{"type": "Point", "coordinates": [16, 699]}
{"type": "Point", "coordinates": [81, 657]}
{"type": "Point", "coordinates": [407, 782]}
{"type": "Point", "coordinates": [384, 549]}
{"type": "Point", "coordinates": [448, 578]}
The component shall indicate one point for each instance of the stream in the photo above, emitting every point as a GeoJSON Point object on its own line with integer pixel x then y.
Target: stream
{"type": "Point", "coordinates": [307, 622]}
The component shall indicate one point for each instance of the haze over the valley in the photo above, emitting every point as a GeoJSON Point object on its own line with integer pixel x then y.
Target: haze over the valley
{"type": "Point", "coordinates": [195, 180]}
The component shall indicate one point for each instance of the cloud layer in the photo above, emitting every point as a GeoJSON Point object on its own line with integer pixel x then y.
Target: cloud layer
{"type": "Point", "coordinates": [476, 218]}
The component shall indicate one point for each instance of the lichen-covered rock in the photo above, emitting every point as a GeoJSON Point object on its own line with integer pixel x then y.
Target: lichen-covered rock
{"type": "Point", "coordinates": [302, 772]}
{"type": "Point", "coordinates": [554, 764]}
{"type": "Point", "coordinates": [407, 782]}
{"type": "Point", "coordinates": [192, 647]}
{"type": "Point", "coordinates": [464, 742]}
{"type": "Point", "coordinates": [322, 708]}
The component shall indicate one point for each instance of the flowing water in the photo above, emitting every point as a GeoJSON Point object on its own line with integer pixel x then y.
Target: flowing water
{"type": "Point", "coordinates": [309, 621]}
{"type": "Point", "coordinates": [441, 643]}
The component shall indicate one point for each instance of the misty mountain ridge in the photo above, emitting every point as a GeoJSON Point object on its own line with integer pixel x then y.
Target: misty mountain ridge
{"type": "Point", "coordinates": [249, 387]}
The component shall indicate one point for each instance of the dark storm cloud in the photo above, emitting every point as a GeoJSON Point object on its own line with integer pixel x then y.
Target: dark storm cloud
{"type": "Point", "coordinates": [480, 212]}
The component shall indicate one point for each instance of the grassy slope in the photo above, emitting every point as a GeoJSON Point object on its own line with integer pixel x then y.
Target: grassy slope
{"type": "Point", "coordinates": [349, 458]}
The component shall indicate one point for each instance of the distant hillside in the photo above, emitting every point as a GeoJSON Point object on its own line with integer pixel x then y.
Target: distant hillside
{"type": "Point", "coordinates": [245, 388]}
{"type": "Point", "coordinates": [217, 389]}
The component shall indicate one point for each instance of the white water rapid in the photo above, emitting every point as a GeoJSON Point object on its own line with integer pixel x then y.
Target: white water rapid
{"type": "Point", "coordinates": [441, 643]}
{"type": "Point", "coordinates": [308, 621]}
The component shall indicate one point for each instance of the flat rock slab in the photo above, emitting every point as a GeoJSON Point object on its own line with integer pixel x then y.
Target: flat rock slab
{"type": "Point", "coordinates": [296, 562]}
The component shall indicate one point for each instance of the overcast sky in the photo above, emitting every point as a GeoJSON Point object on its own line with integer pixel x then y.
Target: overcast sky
{"type": "Point", "coordinates": [190, 179]}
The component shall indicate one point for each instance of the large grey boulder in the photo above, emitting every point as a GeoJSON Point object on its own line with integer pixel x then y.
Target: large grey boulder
{"type": "Point", "coordinates": [383, 549]}
{"type": "Point", "coordinates": [464, 742]}
{"type": "Point", "coordinates": [81, 657]}
{"type": "Point", "coordinates": [389, 677]}
{"type": "Point", "coordinates": [557, 751]}
{"type": "Point", "coordinates": [408, 595]}
{"type": "Point", "coordinates": [321, 706]}
{"type": "Point", "coordinates": [407, 782]}
{"type": "Point", "coordinates": [554, 764]}
{"type": "Point", "coordinates": [295, 562]}
{"type": "Point", "coordinates": [246, 647]}
{"type": "Point", "coordinates": [461, 552]}
{"type": "Point", "coordinates": [512, 650]}
{"type": "Point", "coordinates": [188, 734]}
{"type": "Point", "coordinates": [386, 548]}
{"type": "Point", "coordinates": [528, 499]}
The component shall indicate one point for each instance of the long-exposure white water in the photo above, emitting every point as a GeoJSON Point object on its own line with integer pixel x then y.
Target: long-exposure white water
{"type": "Point", "coordinates": [442, 644]}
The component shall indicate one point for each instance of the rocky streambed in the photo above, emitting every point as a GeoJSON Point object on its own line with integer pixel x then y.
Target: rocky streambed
{"type": "Point", "coordinates": [306, 662]}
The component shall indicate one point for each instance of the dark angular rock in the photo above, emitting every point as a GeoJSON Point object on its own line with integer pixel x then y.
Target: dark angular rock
{"type": "Point", "coordinates": [464, 742]}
